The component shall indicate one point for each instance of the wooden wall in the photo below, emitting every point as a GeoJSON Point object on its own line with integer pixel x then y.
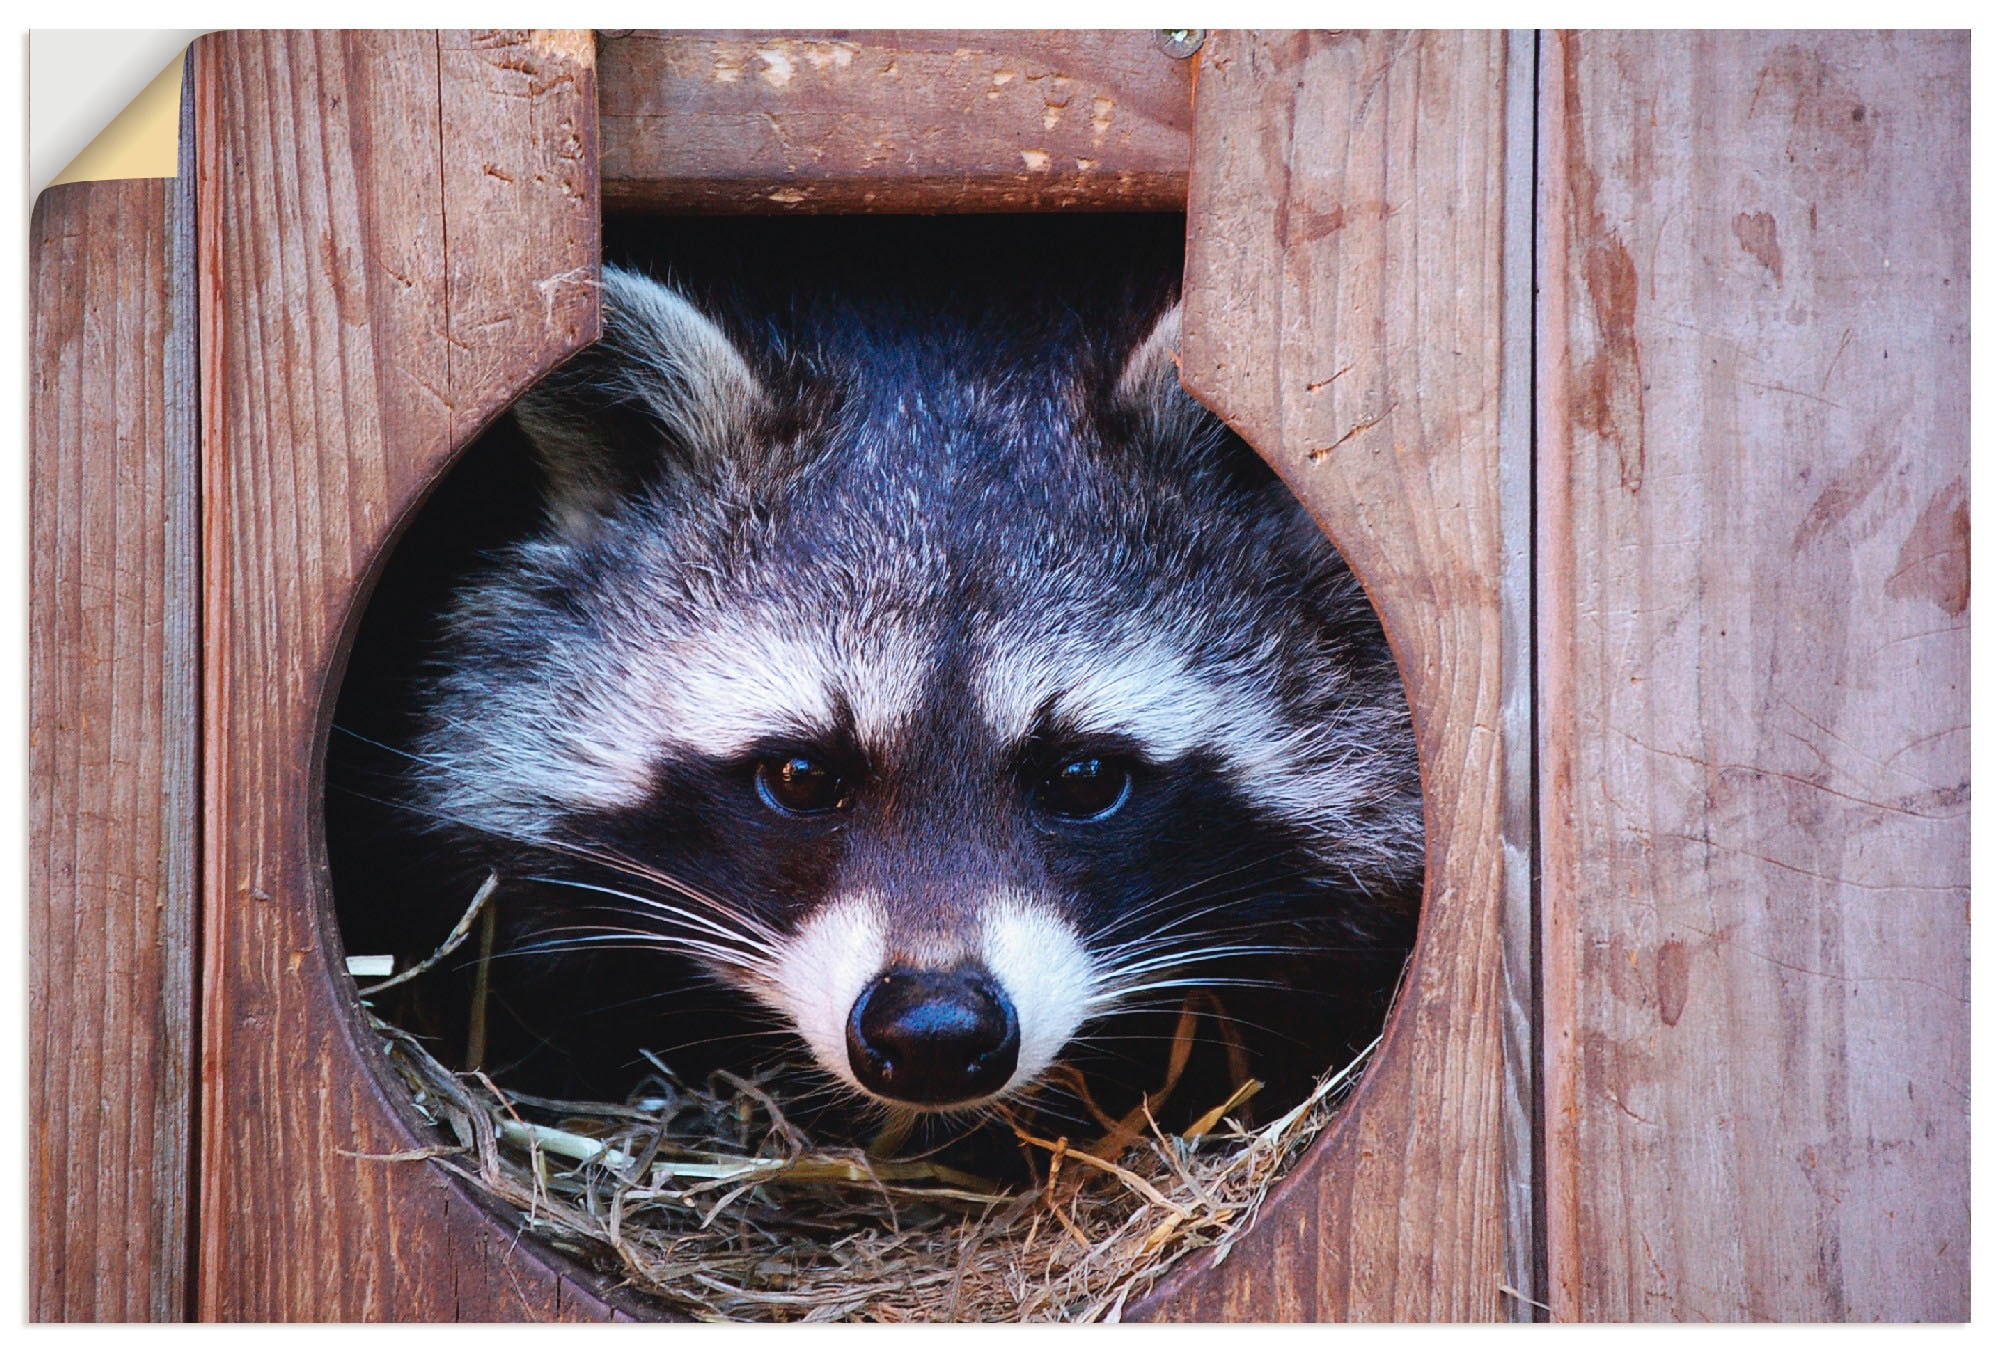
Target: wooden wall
{"type": "Point", "coordinates": [1346, 223]}
{"type": "Point", "coordinates": [1629, 370]}
{"type": "Point", "coordinates": [114, 749]}
{"type": "Point", "coordinates": [1753, 579]}
{"type": "Point", "coordinates": [397, 231]}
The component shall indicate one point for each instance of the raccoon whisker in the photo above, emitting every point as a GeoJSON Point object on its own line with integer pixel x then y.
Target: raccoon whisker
{"type": "Point", "coordinates": [1187, 925]}
{"type": "Point", "coordinates": [1096, 1041]}
{"type": "Point", "coordinates": [1191, 983]}
{"type": "Point", "coordinates": [393, 750]}
{"type": "Point", "coordinates": [605, 945]}
{"type": "Point", "coordinates": [826, 1091]}
{"type": "Point", "coordinates": [1168, 945]}
{"type": "Point", "coordinates": [960, 1123]}
{"type": "Point", "coordinates": [654, 904]}
{"type": "Point", "coordinates": [430, 815]}
{"type": "Point", "coordinates": [717, 1040]}
{"type": "Point", "coordinates": [1241, 942]}
{"type": "Point", "coordinates": [652, 909]}
{"type": "Point", "coordinates": [824, 1094]}
{"type": "Point", "coordinates": [629, 942]}
{"type": "Point", "coordinates": [591, 1011]}
{"type": "Point", "coordinates": [619, 863]}
{"type": "Point", "coordinates": [628, 930]}
{"type": "Point", "coordinates": [647, 873]}
{"type": "Point", "coordinates": [580, 851]}
{"type": "Point", "coordinates": [690, 945]}
{"type": "Point", "coordinates": [1210, 898]}
{"type": "Point", "coordinates": [987, 1116]}
{"type": "Point", "coordinates": [1170, 959]}
{"type": "Point", "coordinates": [619, 942]}
{"type": "Point", "coordinates": [736, 1011]}
{"type": "Point", "coordinates": [564, 849]}
{"type": "Point", "coordinates": [1109, 1001]}
{"type": "Point", "coordinates": [1044, 1083]}
{"type": "Point", "coordinates": [1145, 910]}
{"type": "Point", "coordinates": [1192, 980]}
{"type": "Point", "coordinates": [1099, 1075]}
{"type": "Point", "coordinates": [1177, 945]}
{"type": "Point", "coordinates": [1173, 1007]}
{"type": "Point", "coordinates": [642, 921]}
{"type": "Point", "coordinates": [1186, 921]}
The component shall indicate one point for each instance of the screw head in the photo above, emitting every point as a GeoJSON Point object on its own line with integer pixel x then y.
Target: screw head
{"type": "Point", "coordinates": [1180, 43]}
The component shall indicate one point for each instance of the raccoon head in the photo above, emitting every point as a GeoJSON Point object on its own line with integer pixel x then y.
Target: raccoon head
{"type": "Point", "coordinates": [944, 692]}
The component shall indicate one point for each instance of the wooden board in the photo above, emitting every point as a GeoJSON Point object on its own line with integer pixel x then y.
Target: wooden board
{"type": "Point", "coordinates": [1751, 585]}
{"type": "Point", "coordinates": [114, 750]}
{"type": "Point", "coordinates": [1345, 314]}
{"type": "Point", "coordinates": [1752, 539]}
{"type": "Point", "coordinates": [991, 120]}
{"type": "Point", "coordinates": [398, 233]}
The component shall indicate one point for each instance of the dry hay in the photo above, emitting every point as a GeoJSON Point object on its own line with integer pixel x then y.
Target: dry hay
{"type": "Point", "coordinates": [710, 1201]}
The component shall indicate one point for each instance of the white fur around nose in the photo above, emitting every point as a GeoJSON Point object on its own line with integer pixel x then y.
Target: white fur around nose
{"type": "Point", "coordinates": [1034, 956]}
{"type": "Point", "coordinates": [1045, 972]}
{"type": "Point", "coordinates": [822, 970]}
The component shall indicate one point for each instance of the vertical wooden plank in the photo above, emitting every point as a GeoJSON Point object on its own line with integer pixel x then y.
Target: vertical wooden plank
{"type": "Point", "coordinates": [398, 234]}
{"type": "Point", "coordinates": [1344, 313]}
{"type": "Point", "coordinates": [113, 786]}
{"type": "Point", "coordinates": [1754, 644]}
{"type": "Point", "coordinates": [1519, 992]}
{"type": "Point", "coordinates": [521, 206]}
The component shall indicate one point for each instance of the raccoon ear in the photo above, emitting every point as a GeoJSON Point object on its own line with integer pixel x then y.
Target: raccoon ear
{"type": "Point", "coordinates": [1149, 388]}
{"type": "Point", "coordinates": [1154, 364]}
{"type": "Point", "coordinates": [664, 392]}
{"type": "Point", "coordinates": [1171, 428]}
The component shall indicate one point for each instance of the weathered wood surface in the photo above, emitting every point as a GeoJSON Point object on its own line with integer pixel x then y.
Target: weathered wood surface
{"type": "Point", "coordinates": [1345, 314]}
{"type": "Point", "coordinates": [993, 120]}
{"type": "Point", "coordinates": [398, 232]}
{"type": "Point", "coordinates": [1520, 993]}
{"type": "Point", "coordinates": [114, 760]}
{"type": "Point", "coordinates": [1753, 537]}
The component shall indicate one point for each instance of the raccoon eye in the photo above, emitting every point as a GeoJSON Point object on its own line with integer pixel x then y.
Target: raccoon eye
{"type": "Point", "coordinates": [1087, 789]}
{"type": "Point", "coordinates": [796, 786]}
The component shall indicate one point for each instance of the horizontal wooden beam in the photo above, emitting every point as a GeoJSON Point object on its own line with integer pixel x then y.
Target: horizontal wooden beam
{"type": "Point", "coordinates": [893, 122]}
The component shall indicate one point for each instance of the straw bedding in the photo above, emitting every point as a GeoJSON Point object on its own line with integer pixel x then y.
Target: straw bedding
{"type": "Point", "coordinates": [711, 1201]}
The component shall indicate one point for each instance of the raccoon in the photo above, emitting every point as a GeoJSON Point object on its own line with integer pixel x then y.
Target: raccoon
{"type": "Point", "coordinates": [943, 698]}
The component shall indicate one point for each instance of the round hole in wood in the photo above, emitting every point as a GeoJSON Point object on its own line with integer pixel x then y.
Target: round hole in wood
{"type": "Point", "coordinates": [859, 761]}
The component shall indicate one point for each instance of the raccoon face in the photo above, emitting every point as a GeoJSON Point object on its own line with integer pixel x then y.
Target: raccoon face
{"type": "Point", "coordinates": [946, 694]}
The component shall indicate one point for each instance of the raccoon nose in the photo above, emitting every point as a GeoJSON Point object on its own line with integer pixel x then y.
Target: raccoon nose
{"type": "Point", "coordinates": [933, 1038]}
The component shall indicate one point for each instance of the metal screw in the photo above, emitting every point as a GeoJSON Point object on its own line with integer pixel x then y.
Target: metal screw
{"type": "Point", "coordinates": [1181, 43]}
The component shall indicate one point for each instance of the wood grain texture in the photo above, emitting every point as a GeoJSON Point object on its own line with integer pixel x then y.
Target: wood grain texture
{"type": "Point", "coordinates": [1520, 991]}
{"type": "Point", "coordinates": [855, 121]}
{"type": "Point", "coordinates": [114, 751]}
{"type": "Point", "coordinates": [1753, 536]}
{"type": "Point", "coordinates": [398, 233]}
{"type": "Point", "coordinates": [1345, 314]}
